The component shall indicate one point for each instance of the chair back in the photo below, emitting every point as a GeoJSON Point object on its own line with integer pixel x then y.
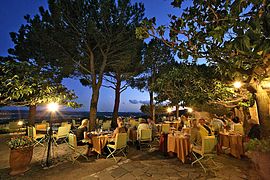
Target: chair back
{"type": "Point", "coordinates": [62, 132]}
{"type": "Point", "coordinates": [31, 131]}
{"type": "Point", "coordinates": [203, 131]}
{"type": "Point", "coordinates": [73, 122]}
{"type": "Point", "coordinates": [239, 128]}
{"type": "Point", "coordinates": [63, 124]}
{"type": "Point", "coordinates": [13, 125]}
{"type": "Point", "coordinates": [165, 128]}
{"type": "Point", "coordinates": [68, 126]}
{"type": "Point", "coordinates": [208, 144]}
{"type": "Point", "coordinates": [41, 126]}
{"type": "Point", "coordinates": [146, 135]}
{"type": "Point", "coordinates": [72, 141]}
{"type": "Point", "coordinates": [106, 125]}
{"type": "Point", "coordinates": [121, 140]}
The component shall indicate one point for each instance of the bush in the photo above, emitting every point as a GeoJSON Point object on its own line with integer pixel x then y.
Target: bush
{"type": "Point", "coordinates": [258, 145]}
{"type": "Point", "coordinates": [20, 142]}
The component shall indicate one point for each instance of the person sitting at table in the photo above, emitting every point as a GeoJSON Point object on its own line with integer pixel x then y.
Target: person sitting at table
{"type": "Point", "coordinates": [254, 132]}
{"type": "Point", "coordinates": [195, 136]}
{"type": "Point", "coordinates": [204, 129]}
{"type": "Point", "coordinates": [81, 134]}
{"type": "Point", "coordinates": [143, 125]}
{"type": "Point", "coordinates": [217, 125]}
{"type": "Point", "coordinates": [120, 127]}
{"type": "Point", "coordinates": [237, 125]}
{"type": "Point", "coordinates": [152, 126]}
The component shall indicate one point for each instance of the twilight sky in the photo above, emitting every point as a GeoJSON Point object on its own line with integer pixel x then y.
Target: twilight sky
{"type": "Point", "coordinates": [11, 17]}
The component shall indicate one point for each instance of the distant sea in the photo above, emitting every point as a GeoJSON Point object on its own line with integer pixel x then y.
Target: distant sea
{"type": "Point", "coordinates": [12, 115]}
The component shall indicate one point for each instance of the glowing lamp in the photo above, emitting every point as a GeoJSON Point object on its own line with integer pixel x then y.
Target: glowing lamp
{"type": "Point", "coordinates": [53, 107]}
{"type": "Point", "coordinates": [190, 110]}
{"type": "Point", "coordinates": [169, 110]}
{"type": "Point", "coordinates": [237, 84]}
{"type": "Point", "coordinates": [20, 123]}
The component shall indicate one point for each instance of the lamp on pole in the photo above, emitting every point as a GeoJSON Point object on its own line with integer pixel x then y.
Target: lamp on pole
{"type": "Point", "coordinates": [52, 108]}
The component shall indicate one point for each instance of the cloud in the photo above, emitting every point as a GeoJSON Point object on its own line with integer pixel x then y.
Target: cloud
{"type": "Point", "coordinates": [134, 101]}
{"type": "Point", "coordinates": [145, 102]}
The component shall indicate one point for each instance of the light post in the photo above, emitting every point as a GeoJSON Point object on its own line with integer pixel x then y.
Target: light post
{"type": "Point", "coordinates": [52, 108]}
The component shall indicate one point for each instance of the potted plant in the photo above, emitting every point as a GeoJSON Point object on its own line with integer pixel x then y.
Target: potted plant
{"type": "Point", "coordinates": [259, 153]}
{"type": "Point", "coordinates": [21, 151]}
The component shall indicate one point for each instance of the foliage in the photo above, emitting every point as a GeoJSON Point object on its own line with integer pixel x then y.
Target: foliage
{"type": "Point", "coordinates": [23, 85]}
{"type": "Point", "coordinates": [232, 34]}
{"type": "Point", "coordinates": [20, 142]}
{"type": "Point", "coordinates": [88, 35]}
{"type": "Point", "coordinates": [156, 58]}
{"type": "Point", "coordinates": [258, 145]}
{"type": "Point", "coordinates": [185, 83]}
{"type": "Point", "coordinates": [159, 109]}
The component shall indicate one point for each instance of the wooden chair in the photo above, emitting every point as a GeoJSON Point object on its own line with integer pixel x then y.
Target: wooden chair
{"type": "Point", "coordinates": [119, 146]}
{"type": "Point", "coordinates": [77, 152]}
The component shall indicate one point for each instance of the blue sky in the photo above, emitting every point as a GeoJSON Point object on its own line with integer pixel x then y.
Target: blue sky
{"type": "Point", "coordinates": [11, 17]}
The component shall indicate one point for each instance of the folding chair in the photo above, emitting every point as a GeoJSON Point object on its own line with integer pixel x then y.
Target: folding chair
{"type": "Point", "coordinates": [61, 134]}
{"type": "Point", "coordinates": [38, 138]}
{"type": "Point", "coordinates": [208, 146]}
{"type": "Point", "coordinates": [76, 151]}
{"type": "Point", "coordinates": [119, 146]}
{"type": "Point", "coordinates": [165, 128]}
{"type": "Point", "coordinates": [106, 125]}
{"type": "Point", "coordinates": [239, 128]}
{"type": "Point", "coordinates": [145, 137]}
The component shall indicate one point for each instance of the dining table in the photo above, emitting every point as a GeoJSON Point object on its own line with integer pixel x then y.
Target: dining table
{"type": "Point", "coordinates": [233, 141]}
{"type": "Point", "coordinates": [179, 143]}
{"type": "Point", "coordinates": [99, 141]}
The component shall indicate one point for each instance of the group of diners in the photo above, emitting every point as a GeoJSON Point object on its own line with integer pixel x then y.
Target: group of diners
{"type": "Point", "coordinates": [201, 128]}
{"type": "Point", "coordinates": [82, 132]}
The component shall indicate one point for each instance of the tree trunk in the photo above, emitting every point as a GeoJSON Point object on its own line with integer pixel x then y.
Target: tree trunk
{"type": "Point", "coordinates": [152, 106]}
{"type": "Point", "coordinates": [32, 114]}
{"type": "Point", "coordinates": [116, 100]}
{"type": "Point", "coordinates": [262, 100]}
{"type": "Point", "coordinates": [177, 111]}
{"type": "Point", "coordinates": [93, 107]}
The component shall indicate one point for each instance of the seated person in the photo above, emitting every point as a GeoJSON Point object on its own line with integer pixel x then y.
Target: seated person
{"type": "Point", "coordinates": [217, 125]}
{"type": "Point", "coordinates": [195, 136]}
{"type": "Point", "coordinates": [204, 129]}
{"type": "Point", "coordinates": [81, 134]}
{"type": "Point", "coordinates": [143, 125]}
{"type": "Point", "coordinates": [237, 126]}
{"type": "Point", "coordinates": [120, 127]}
{"type": "Point", "coordinates": [152, 126]}
{"type": "Point", "coordinates": [255, 131]}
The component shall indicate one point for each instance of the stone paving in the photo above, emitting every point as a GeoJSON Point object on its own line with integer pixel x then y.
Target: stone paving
{"type": "Point", "coordinates": [139, 164]}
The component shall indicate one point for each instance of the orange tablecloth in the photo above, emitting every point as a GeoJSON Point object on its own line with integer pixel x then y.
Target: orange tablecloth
{"type": "Point", "coordinates": [99, 143]}
{"type": "Point", "coordinates": [180, 145]}
{"type": "Point", "coordinates": [234, 142]}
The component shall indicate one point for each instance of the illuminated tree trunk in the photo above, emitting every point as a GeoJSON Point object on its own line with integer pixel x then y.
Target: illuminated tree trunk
{"type": "Point", "coordinates": [116, 100]}
{"type": "Point", "coordinates": [262, 100]}
{"type": "Point", "coordinates": [152, 106]}
{"type": "Point", "coordinates": [93, 107]}
{"type": "Point", "coordinates": [177, 111]}
{"type": "Point", "coordinates": [32, 114]}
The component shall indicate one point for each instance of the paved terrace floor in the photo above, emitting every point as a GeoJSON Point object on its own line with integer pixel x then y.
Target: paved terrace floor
{"type": "Point", "coordinates": [139, 164]}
